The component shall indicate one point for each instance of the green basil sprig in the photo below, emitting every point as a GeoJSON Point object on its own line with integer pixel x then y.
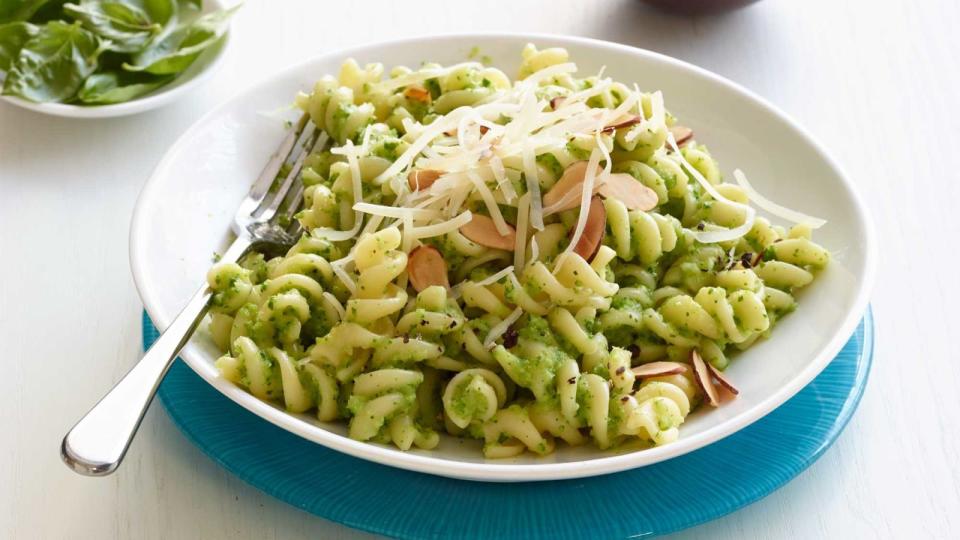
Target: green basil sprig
{"type": "Point", "coordinates": [127, 25]}
{"type": "Point", "coordinates": [117, 87]}
{"type": "Point", "coordinates": [176, 51]}
{"type": "Point", "coordinates": [12, 38]}
{"type": "Point", "coordinates": [97, 52]}
{"type": "Point", "coordinates": [53, 64]}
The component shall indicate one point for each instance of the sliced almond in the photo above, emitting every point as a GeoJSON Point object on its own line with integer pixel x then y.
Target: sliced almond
{"type": "Point", "coordinates": [657, 369]}
{"type": "Point", "coordinates": [629, 191]}
{"type": "Point", "coordinates": [420, 179]}
{"type": "Point", "coordinates": [571, 181]}
{"type": "Point", "coordinates": [593, 231]}
{"type": "Point", "coordinates": [417, 93]}
{"type": "Point", "coordinates": [483, 231]}
{"type": "Point", "coordinates": [681, 134]}
{"type": "Point", "coordinates": [704, 380]}
{"type": "Point", "coordinates": [622, 122]}
{"type": "Point", "coordinates": [426, 268]}
{"type": "Point", "coordinates": [722, 379]}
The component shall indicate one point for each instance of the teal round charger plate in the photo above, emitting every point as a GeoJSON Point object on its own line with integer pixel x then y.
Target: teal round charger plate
{"type": "Point", "coordinates": [658, 499]}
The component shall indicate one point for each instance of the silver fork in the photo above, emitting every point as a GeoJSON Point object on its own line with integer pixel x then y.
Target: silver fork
{"type": "Point", "coordinates": [98, 442]}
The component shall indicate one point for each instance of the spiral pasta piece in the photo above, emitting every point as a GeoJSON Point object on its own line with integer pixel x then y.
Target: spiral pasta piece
{"type": "Point", "coordinates": [332, 109]}
{"type": "Point", "coordinates": [473, 395]}
{"type": "Point", "coordinates": [511, 431]}
{"type": "Point", "coordinates": [271, 374]}
{"type": "Point", "coordinates": [379, 263]}
{"type": "Point", "coordinates": [713, 313]}
{"type": "Point", "coordinates": [382, 404]}
{"type": "Point", "coordinates": [640, 235]}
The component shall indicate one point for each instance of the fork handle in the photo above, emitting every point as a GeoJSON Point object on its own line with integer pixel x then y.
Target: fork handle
{"type": "Point", "coordinates": [97, 443]}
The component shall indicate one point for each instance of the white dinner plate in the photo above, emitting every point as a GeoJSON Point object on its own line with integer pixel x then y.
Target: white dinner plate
{"type": "Point", "coordinates": [184, 212]}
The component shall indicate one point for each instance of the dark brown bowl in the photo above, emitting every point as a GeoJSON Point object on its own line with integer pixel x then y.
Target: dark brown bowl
{"type": "Point", "coordinates": [698, 7]}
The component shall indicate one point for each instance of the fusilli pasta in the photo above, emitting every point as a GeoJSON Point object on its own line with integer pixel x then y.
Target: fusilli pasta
{"type": "Point", "coordinates": [594, 251]}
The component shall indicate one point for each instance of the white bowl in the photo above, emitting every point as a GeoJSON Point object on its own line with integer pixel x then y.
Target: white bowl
{"type": "Point", "coordinates": [184, 212]}
{"type": "Point", "coordinates": [199, 71]}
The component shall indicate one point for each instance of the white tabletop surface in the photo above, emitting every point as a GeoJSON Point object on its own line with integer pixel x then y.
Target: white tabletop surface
{"type": "Point", "coordinates": [878, 85]}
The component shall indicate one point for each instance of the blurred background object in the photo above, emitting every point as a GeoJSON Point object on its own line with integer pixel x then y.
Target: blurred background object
{"type": "Point", "coordinates": [698, 7]}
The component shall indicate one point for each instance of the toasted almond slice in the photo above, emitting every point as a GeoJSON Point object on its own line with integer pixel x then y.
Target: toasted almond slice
{"type": "Point", "coordinates": [629, 191]}
{"type": "Point", "coordinates": [594, 230]}
{"type": "Point", "coordinates": [426, 268]}
{"type": "Point", "coordinates": [572, 180]}
{"type": "Point", "coordinates": [421, 179]}
{"type": "Point", "coordinates": [483, 231]}
{"type": "Point", "coordinates": [625, 121]}
{"type": "Point", "coordinates": [702, 376]}
{"type": "Point", "coordinates": [722, 379]}
{"type": "Point", "coordinates": [681, 134]}
{"type": "Point", "coordinates": [417, 93]}
{"type": "Point", "coordinates": [657, 369]}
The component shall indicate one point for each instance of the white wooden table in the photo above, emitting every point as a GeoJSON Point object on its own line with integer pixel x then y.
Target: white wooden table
{"type": "Point", "coordinates": [878, 85]}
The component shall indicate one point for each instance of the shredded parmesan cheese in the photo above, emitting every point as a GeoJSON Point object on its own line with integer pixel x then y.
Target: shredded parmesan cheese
{"type": "Point", "coordinates": [774, 208]}
{"type": "Point", "coordinates": [344, 277]}
{"type": "Point", "coordinates": [585, 195]}
{"type": "Point", "coordinates": [523, 221]}
{"type": "Point", "coordinates": [337, 306]}
{"type": "Point", "coordinates": [533, 186]}
{"type": "Point", "coordinates": [422, 75]}
{"type": "Point", "coordinates": [723, 235]}
{"type": "Point", "coordinates": [444, 227]}
{"type": "Point", "coordinates": [489, 280]}
{"type": "Point", "coordinates": [396, 212]}
{"type": "Point", "coordinates": [491, 203]}
{"type": "Point", "coordinates": [658, 113]}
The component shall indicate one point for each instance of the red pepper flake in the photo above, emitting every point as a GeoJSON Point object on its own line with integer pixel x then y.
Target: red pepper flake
{"type": "Point", "coordinates": [555, 102]}
{"type": "Point", "coordinates": [510, 337]}
{"type": "Point", "coordinates": [620, 370]}
{"type": "Point", "coordinates": [572, 380]}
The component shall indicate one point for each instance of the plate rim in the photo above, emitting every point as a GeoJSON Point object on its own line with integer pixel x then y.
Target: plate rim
{"type": "Point", "coordinates": [485, 471]}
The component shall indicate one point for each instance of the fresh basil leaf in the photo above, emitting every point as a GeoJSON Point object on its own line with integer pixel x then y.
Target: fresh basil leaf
{"type": "Point", "coordinates": [117, 87]}
{"type": "Point", "coordinates": [127, 26]}
{"type": "Point", "coordinates": [12, 38]}
{"type": "Point", "coordinates": [161, 11]}
{"type": "Point", "coordinates": [19, 10]}
{"type": "Point", "coordinates": [175, 52]}
{"type": "Point", "coordinates": [53, 64]}
{"type": "Point", "coordinates": [52, 10]}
